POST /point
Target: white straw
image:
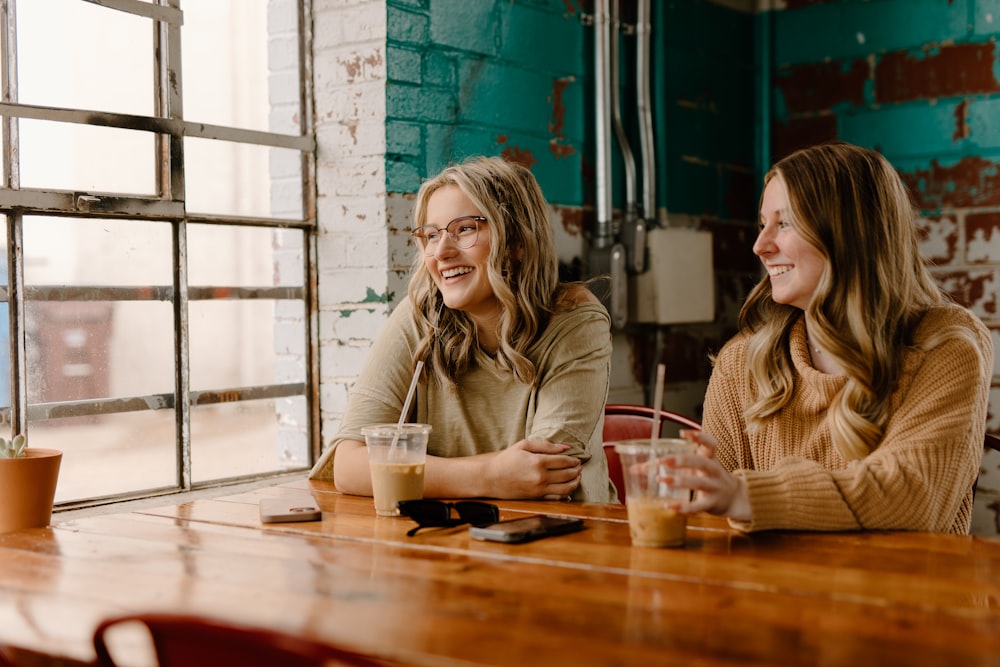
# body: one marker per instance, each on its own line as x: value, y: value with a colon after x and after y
x: 661, y: 372
x: 654, y: 470
x: 406, y: 407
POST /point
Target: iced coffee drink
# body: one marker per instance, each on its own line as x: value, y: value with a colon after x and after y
x: 392, y: 482
x: 654, y: 523
x: 396, y: 457
x: 653, y: 517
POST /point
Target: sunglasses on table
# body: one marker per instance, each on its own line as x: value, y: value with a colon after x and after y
x: 438, y: 514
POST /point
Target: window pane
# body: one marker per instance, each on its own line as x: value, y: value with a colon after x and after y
x: 244, y: 256
x: 227, y: 178
x: 240, y: 343
x: 230, y: 85
x: 67, y: 156
x: 100, y: 348
x: 245, y: 438
x: 110, y: 454
x: 75, y: 251
x: 79, y: 55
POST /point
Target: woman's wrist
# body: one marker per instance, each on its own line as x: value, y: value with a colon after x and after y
x: 739, y: 505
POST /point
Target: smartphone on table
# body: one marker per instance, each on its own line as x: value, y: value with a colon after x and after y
x: 515, y: 531
x: 281, y: 510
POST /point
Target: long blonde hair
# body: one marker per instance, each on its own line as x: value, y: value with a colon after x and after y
x: 523, y: 270
x: 851, y: 205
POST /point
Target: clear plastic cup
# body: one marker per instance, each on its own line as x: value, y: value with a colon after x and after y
x: 653, y: 516
x: 397, y: 470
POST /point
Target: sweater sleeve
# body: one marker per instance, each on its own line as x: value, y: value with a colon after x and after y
x: 919, y: 477
x: 573, y: 388
x: 723, y: 410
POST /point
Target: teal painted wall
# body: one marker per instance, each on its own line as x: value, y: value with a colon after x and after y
x: 703, y: 74
x: 507, y: 77
x: 915, y: 79
x: 488, y: 77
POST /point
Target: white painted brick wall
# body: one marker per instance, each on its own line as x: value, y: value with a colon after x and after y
x: 353, y: 239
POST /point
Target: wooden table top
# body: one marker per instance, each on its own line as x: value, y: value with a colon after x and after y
x: 442, y: 599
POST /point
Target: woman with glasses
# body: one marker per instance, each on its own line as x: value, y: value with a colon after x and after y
x: 855, y: 394
x: 516, y: 364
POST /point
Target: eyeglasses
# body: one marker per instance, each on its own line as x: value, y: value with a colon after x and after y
x: 462, y: 231
x: 437, y: 513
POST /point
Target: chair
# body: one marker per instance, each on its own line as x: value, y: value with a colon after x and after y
x: 623, y: 422
x: 182, y: 640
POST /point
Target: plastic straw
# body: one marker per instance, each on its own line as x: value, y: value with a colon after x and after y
x: 406, y: 408
x: 661, y: 372
x: 654, y: 470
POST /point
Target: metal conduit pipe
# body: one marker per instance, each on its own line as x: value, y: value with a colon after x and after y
x: 607, y: 257
x: 604, y: 232
x: 633, y: 227
x: 643, y: 29
x: 616, y: 116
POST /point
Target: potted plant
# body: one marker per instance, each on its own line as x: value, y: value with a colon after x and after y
x: 28, y: 477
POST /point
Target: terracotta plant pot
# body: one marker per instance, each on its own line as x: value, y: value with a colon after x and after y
x: 28, y: 488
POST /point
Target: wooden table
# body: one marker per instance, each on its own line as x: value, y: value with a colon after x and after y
x: 443, y: 599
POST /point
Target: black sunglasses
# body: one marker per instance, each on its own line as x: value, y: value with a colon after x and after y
x: 437, y: 513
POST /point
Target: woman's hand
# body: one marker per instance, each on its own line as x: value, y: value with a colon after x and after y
x: 532, y: 469
x: 716, y: 490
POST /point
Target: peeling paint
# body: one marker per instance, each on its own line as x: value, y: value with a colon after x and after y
x: 972, y: 181
x: 561, y: 151
x: 572, y: 219
x: 961, y: 121
x: 571, y: 7
x: 975, y: 290
x: 938, y: 238
x: 983, y: 243
x: 556, y: 125
x: 345, y: 313
x: 354, y: 67
x: 947, y: 71
x: 519, y: 156
x: 820, y: 86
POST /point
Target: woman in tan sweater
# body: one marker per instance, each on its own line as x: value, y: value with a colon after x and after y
x: 854, y: 395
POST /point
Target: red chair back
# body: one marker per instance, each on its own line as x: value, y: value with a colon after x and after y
x: 182, y: 640
x: 623, y: 421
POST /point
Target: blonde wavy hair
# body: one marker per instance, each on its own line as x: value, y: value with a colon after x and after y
x: 851, y: 205
x: 523, y: 270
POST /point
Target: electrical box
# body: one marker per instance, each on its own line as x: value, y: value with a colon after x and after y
x: 679, y: 282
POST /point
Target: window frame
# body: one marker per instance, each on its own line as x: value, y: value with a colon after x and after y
x: 169, y: 128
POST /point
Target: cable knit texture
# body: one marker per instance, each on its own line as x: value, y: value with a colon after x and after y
x: 918, y: 478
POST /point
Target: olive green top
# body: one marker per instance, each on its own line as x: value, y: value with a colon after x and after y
x: 489, y: 409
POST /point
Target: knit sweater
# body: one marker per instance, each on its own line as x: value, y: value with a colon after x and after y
x: 490, y: 409
x: 920, y: 475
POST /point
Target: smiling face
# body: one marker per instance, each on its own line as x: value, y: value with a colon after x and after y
x: 460, y: 274
x: 794, y: 265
